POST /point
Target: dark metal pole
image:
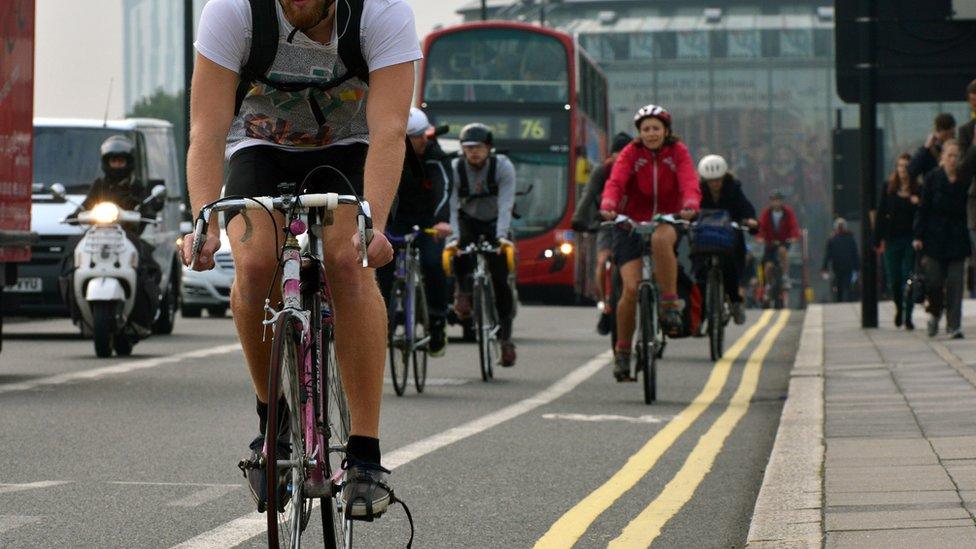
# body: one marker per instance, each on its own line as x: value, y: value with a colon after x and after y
x: 484, y: 10
x: 869, y: 264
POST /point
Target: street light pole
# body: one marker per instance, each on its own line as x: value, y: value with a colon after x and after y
x: 869, y: 111
x: 484, y: 10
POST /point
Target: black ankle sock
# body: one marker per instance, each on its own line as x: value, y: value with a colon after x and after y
x: 262, y: 409
x: 364, y: 448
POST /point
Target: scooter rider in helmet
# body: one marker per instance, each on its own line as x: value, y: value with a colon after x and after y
x: 482, y: 201
x: 119, y: 186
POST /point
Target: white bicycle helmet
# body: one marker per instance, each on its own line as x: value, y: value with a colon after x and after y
x: 652, y: 111
x: 712, y: 166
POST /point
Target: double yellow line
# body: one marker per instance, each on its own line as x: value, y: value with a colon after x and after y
x: 647, y: 526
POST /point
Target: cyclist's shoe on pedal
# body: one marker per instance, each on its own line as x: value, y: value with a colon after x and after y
x: 462, y: 305
x: 671, y: 320
x: 365, y: 491
x: 621, y: 367
x: 256, y: 474
x: 739, y: 313
x: 604, y: 325
x: 508, y: 353
x: 438, y: 339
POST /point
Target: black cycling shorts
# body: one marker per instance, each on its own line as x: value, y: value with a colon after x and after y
x: 258, y: 170
x: 627, y: 246
x: 770, y: 254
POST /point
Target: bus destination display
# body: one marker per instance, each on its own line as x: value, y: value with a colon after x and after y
x: 505, y: 128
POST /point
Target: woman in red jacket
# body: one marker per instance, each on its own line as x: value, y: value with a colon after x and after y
x: 653, y: 175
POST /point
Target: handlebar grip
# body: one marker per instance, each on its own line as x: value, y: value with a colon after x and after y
x: 329, y: 201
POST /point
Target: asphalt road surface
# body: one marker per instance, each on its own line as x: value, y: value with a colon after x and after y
x: 142, y: 451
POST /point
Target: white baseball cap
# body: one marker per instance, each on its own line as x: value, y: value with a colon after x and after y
x: 418, y: 122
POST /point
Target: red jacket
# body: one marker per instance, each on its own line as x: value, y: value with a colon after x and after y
x: 788, y: 228
x: 644, y: 182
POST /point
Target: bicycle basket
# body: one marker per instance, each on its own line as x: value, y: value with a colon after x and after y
x: 713, y: 233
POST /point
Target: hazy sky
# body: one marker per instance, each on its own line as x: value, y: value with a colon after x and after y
x: 78, y: 50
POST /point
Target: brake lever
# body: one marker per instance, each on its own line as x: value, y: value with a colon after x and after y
x: 365, y: 225
x: 199, y: 238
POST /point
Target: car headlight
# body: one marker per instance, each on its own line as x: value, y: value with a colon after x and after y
x: 105, y: 213
x: 566, y: 248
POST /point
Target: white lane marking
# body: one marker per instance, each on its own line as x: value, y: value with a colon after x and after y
x: 10, y: 522
x: 610, y: 417
x: 200, y: 497
x: 123, y: 368
x: 244, y: 528
x: 437, y: 381
x: 11, y: 488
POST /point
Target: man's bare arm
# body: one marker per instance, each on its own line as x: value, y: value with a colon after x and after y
x: 387, y: 106
x: 212, y: 99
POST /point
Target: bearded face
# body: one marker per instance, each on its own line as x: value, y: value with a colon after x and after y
x: 304, y: 14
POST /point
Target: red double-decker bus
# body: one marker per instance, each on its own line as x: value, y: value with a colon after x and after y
x: 546, y: 102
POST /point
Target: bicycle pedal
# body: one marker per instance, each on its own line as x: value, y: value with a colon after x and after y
x: 246, y: 464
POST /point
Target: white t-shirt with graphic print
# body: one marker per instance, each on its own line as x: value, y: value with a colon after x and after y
x: 287, y: 119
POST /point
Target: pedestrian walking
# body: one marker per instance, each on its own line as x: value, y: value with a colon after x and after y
x: 926, y: 158
x: 893, y: 236
x: 942, y: 237
x: 842, y: 258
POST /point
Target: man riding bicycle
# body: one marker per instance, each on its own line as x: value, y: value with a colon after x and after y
x: 778, y: 229
x: 281, y: 92
x: 481, y: 206
x: 653, y: 175
x: 422, y: 201
x: 722, y: 191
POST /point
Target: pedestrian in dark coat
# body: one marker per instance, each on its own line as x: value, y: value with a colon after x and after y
x: 941, y: 235
x: 842, y: 257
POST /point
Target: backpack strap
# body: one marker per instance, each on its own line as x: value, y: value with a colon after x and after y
x: 492, y: 170
x: 348, y: 29
x: 462, y: 171
x: 264, y: 47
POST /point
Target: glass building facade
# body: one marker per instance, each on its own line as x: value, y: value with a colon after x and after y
x: 750, y: 80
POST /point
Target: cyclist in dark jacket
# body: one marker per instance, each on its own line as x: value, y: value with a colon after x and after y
x: 422, y: 201
x: 720, y: 190
x: 587, y: 218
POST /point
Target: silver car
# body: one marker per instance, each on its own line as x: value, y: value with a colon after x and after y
x: 209, y: 290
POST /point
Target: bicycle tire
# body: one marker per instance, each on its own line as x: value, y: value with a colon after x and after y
x: 494, y: 345
x: 421, y: 331
x: 286, y: 525
x: 337, y: 530
x: 646, y: 351
x: 397, y: 341
x: 714, y: 306
x: 479, y: 332
x: 613, y: 293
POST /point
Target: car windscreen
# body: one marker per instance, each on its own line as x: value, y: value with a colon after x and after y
x: 69, y: 156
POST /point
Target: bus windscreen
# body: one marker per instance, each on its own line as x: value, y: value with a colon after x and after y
x: 497, y: 65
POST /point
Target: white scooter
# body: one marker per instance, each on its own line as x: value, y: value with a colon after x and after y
x: 104, y: 280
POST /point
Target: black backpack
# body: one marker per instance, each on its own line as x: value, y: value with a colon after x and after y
x: 264, y: 48
x: 464, y: 187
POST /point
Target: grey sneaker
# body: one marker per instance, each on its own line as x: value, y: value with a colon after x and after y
x: 256, y: 474
x: 621, y: 367
x: 365, y: 490
x: 933, y: 326
x: 739, y: 313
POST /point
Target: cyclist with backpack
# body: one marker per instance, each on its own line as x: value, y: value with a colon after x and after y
x: 722, y: 191
x: 482, y: 201
x: 653, y: 175
x: 281, y: 88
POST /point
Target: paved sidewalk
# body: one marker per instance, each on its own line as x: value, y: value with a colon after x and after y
x: 899, y: 434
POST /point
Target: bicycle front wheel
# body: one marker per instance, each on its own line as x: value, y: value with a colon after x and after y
x: 399, y: 341
x: 336, y: 528
x: 421, y: 333
x: 481, y: 334
x: 288, y: 510
x: 715, y: 305
x: 646, y: 348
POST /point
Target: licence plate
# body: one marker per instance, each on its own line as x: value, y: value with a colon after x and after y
x: 25, y: 285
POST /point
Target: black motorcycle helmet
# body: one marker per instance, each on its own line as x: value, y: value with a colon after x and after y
x: 118, y: 146
x: 474, y: 134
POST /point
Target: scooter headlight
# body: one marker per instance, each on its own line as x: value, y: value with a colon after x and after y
x: 105, y: 213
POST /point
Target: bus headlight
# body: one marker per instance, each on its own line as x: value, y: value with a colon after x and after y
x: 548, y: 253
x: 566, y: 248
x: 105, y: 213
